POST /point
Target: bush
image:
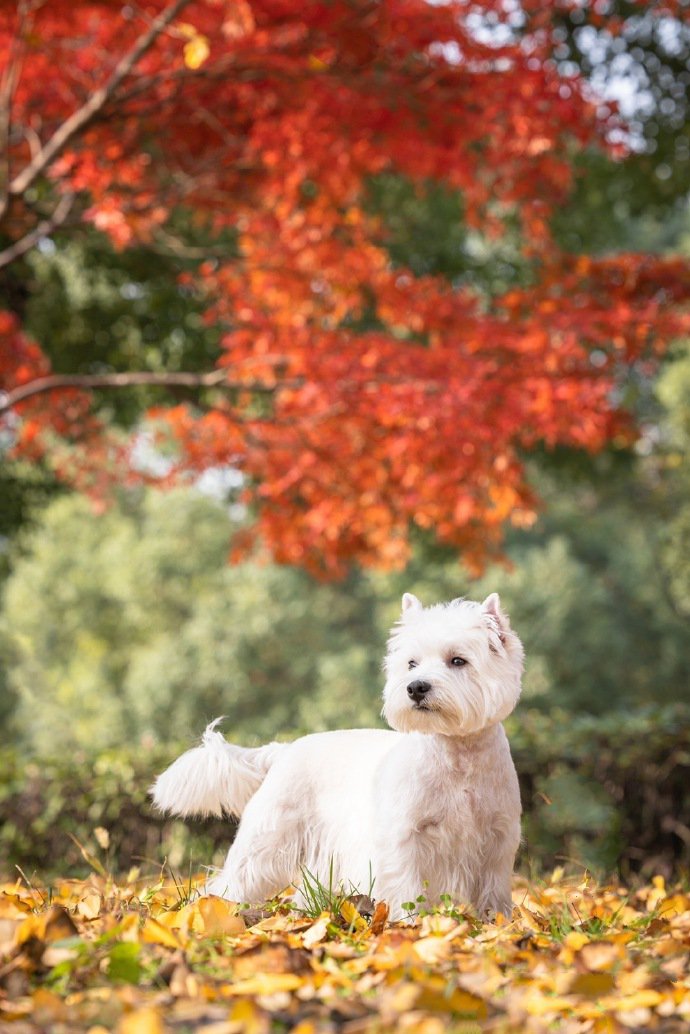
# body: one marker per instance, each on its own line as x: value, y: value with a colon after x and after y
x: 609, y: 792
x: 604, y: 793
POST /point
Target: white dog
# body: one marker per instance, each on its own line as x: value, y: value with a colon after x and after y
x: 432, y: 809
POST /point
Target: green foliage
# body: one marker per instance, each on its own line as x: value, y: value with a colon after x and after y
x: 637, y: 203
x: 132, y: 626
x: 95, y: 309
x: 587, y: 592
x: 425, y: 231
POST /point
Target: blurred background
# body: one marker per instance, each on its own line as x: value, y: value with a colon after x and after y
x: 123, y: 632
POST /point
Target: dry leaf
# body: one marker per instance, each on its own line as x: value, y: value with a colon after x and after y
x: 154, y: 932
x: 316, y: 933
x: 378, y: 920
x: 220, y: 917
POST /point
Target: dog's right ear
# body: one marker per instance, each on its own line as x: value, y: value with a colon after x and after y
x: 410, y: 602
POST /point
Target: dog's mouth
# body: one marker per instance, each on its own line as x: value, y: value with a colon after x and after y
x: 422, y: 707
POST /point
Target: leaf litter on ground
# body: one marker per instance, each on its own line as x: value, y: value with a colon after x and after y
x: 138, y: 957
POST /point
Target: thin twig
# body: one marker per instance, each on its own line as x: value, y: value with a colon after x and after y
x: 44, y: 229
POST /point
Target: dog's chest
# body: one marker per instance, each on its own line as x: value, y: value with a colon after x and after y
x: 447, y: 809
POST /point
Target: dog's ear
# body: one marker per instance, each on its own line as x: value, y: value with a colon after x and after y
x: 498, y: 618
x: 410, y: 602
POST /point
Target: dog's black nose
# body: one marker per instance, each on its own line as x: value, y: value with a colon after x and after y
x: 418, y: 689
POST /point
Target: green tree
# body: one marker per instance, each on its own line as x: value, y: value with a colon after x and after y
x: 132, y: 624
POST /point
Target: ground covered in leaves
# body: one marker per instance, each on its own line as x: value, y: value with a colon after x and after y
x: 141, y: 957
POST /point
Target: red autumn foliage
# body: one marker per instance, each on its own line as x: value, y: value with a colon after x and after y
x: 266, y: 119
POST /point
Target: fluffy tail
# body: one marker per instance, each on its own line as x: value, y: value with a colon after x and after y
x: 215, y: 778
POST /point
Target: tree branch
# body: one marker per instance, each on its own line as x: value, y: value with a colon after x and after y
x: 88, y: 111
x: 44, y: 229
x: 8, y: 86
x: 56, y: 382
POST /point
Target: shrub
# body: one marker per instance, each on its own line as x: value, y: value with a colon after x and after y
x: 604, y: 793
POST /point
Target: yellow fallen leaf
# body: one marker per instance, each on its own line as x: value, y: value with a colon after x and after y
x: 442, y: 925
x: 154, y: 932
x: 352, y: 916
x: 141, y: 1021
x: 591, y: 985
x: 186, y: 920
x: 246, y: 1017
x: 266, y: 984
x: 54, y: 925
x: 14, y: 907
x: 646, y: 998
x: 675, y: 905
x: 538, y: 1004
x: 576, y: 940
x: 220, y: 917
x: 457, y: 1001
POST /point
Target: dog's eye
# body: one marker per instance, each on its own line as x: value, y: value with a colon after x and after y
x: 411, y: 664
x: 458, y: 662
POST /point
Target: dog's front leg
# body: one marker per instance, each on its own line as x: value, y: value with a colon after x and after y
x: 399, y: 881
x: 494, y: 884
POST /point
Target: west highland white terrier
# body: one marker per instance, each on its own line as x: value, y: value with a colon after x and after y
x: 432, y: 808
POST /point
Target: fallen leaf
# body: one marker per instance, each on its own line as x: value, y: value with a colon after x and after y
x: 592, y: 985
x: 266, y: 984
x: 352, y: 917
x: 316, y: 933
x: 379, y: 918
x: 142, y: 1021
x: 220, y: 917
x: 154, y: 932
x: 54, y: 925
x: 89, y: 907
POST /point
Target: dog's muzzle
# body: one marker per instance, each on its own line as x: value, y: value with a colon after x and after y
x: 418, y: 689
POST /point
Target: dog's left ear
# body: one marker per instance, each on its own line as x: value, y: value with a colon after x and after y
x: 492, y: 608
x: 410, y: 602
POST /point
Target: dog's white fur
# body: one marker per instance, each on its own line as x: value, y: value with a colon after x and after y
x: 432, y: 808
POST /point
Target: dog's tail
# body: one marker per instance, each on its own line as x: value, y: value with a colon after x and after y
x: 215, y: 778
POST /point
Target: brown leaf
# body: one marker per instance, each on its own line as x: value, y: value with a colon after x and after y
x: 378, y: 920
x: 54, y: 925
x: 363, y: 903
x: 592, y: 985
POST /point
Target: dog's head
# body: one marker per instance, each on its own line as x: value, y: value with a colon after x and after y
x: 453, y: 668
